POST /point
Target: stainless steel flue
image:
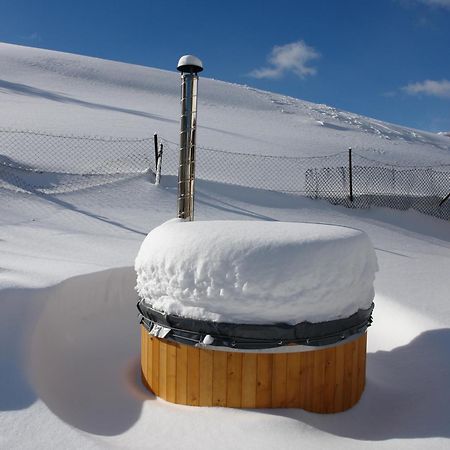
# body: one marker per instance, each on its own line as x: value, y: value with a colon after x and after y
x: 189, y: 66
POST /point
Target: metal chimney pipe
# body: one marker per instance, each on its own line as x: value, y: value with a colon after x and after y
x: 189, y: 66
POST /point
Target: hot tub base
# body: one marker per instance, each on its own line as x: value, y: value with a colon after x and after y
x: 326, y: 380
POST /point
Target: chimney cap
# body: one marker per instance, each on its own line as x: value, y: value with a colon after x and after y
x: 190, y: 63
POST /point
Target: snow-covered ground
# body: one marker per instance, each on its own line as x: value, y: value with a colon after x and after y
x: 68, y: 328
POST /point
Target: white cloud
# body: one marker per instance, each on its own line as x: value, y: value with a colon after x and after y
x: 429, y: 87
x: 293, y: 57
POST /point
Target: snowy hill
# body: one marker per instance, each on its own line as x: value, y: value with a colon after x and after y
x: 69, y: 375
x: 82, y: 95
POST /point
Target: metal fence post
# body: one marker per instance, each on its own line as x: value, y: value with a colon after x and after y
x: 444, y: 199
x: 158, y: 165
x: 350, y: 173
x: 155, y: 142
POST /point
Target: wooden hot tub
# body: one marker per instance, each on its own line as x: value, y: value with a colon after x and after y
x: 255, y: 314
x: 327, y: 380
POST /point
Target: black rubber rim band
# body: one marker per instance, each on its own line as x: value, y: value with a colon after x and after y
x: 253, y: 336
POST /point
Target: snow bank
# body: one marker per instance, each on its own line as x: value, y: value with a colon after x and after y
x: 256, y: 272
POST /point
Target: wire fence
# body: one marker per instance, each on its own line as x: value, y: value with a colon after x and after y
x: 376, y: 184
x: 46, y: 164
x: 274, y: 173
x: 359, y: 182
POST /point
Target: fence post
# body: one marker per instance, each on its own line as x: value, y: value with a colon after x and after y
x: 350, y: 173
x: 444, y: 199
x: 158, y: 165
x: 155, y: 142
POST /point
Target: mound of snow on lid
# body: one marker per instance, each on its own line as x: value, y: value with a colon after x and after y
x: 256, y: 272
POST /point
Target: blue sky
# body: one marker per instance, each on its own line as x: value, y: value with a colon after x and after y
x: 388, y: 59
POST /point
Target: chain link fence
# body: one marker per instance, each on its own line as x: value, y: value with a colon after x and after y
x: 373, y: 183
x: 45, y: 164
x: 273, y: 173
x: 48, y: 163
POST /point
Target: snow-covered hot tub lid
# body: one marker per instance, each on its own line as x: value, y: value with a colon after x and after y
x: 286, y: 282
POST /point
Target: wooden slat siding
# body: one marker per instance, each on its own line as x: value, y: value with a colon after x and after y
x: 155, y: 364
x: 293, y: 380
x: 348, y: 373
x: 279, y: 378
x: 193, y: 376
x: 148, y: 365
x: 144, y: 351
x: 330, y: 380
x: 171, y: 384
x: 355, y: 381
x: 339, y: 380
x: 318, y: 382
x: 206, y: 377
x: 162, y: 369
x: 327, y: 380
x: 182, y: 356
x: 306, y: 380
x: 264, y: 363
x: 249, y: 380
x: 362, y: 363
x: 361, y: 374
x: 234, y: 379
x: 219, y: 378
